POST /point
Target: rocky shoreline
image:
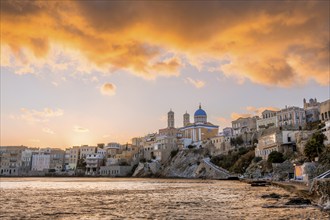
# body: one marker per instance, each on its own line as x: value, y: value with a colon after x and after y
x: 317, y: 193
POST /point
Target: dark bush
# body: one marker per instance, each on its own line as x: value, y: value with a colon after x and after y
x: 314, y: 146
x: 275, y: 157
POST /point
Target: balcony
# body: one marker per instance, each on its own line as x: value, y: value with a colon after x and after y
x: 91, y: 165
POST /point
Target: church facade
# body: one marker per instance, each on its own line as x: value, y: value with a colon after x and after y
x: 200, y: 130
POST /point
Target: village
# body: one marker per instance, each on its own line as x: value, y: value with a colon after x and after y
x: 288, y: 139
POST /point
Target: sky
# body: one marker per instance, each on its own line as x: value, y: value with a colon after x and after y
x: 88, y: 72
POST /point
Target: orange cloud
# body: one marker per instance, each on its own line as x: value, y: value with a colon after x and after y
x: 32, y: 116
x: 252, y: 111
x: 108, y: 89
x: 258, y: 111
x: 236, y: 115
x: 224, y: 122
x: 267, y: 43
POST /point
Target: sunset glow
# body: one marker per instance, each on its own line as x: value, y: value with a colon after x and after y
x: 88, y: 72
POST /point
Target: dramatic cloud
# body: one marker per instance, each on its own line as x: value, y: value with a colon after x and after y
x: 31, y: 115
x: 80, y: 129
x: 236, y: 115
x: 195, y: 82
x: 259, y: 110
x: 267, y: 43
x: 48, y: 131
x: 252, y: 111
x: 108, y: 89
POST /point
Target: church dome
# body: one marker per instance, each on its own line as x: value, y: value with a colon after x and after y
x: 200, y: 112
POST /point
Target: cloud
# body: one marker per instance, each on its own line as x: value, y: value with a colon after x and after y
x: 224, y: 122
x: 108, y: 89
x: 195, y: 82
x: 259, y: 110
x: 236, y: 115
x: 252, y: 111
x: 266, y: 43
x: 48, y: 131
x: 32, y: 116
x: 80, y: 129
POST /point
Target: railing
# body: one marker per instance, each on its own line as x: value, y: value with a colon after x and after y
x: 220, y: 169
x: 323, y: 175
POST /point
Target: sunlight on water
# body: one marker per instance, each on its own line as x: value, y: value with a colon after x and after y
x: 106, y: 198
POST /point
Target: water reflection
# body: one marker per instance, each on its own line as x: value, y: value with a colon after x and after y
x: 105, y: 198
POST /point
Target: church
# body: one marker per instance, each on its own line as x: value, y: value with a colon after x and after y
x: 200, y: 130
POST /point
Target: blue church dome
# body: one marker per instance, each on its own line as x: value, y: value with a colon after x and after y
x: 200, y: 112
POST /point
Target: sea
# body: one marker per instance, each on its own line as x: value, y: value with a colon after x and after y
x: 140, y: 198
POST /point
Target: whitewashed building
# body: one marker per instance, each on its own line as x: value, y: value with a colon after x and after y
x: 291, y: 118
x: 268, y: 120
x: 325, y: 110
x: 40, y: 162
x: 93, y: 163
x: 275, y: 140
x: 244, y: 125
x: 72, y: 157
x: 87, y: 150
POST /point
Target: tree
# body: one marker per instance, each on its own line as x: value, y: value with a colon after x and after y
x: 236, y: 141
x: 315, y: 145
x: 275, y: 157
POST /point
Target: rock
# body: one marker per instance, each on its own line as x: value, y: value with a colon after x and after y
x: 189, y: 163
x: 271, y: 196
x: 298, y: 201
x: 321, y: 189
x: 281, y: 171
x: 147, y: 169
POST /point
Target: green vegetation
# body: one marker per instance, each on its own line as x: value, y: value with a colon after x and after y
x: 243, y: 162
x: 236, y: 161
x: 314, y: 125
x: 275, y: 157
x: 324, y: 161
x: 236, y: 141
x: 314, y: 146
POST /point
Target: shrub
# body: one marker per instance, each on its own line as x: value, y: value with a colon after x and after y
x: 314, y: 146
x: 275, y: 157
x: 243, y: 162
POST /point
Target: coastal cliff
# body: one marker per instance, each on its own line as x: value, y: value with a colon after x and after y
x: 191, y: 163
x: 321, y: 188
